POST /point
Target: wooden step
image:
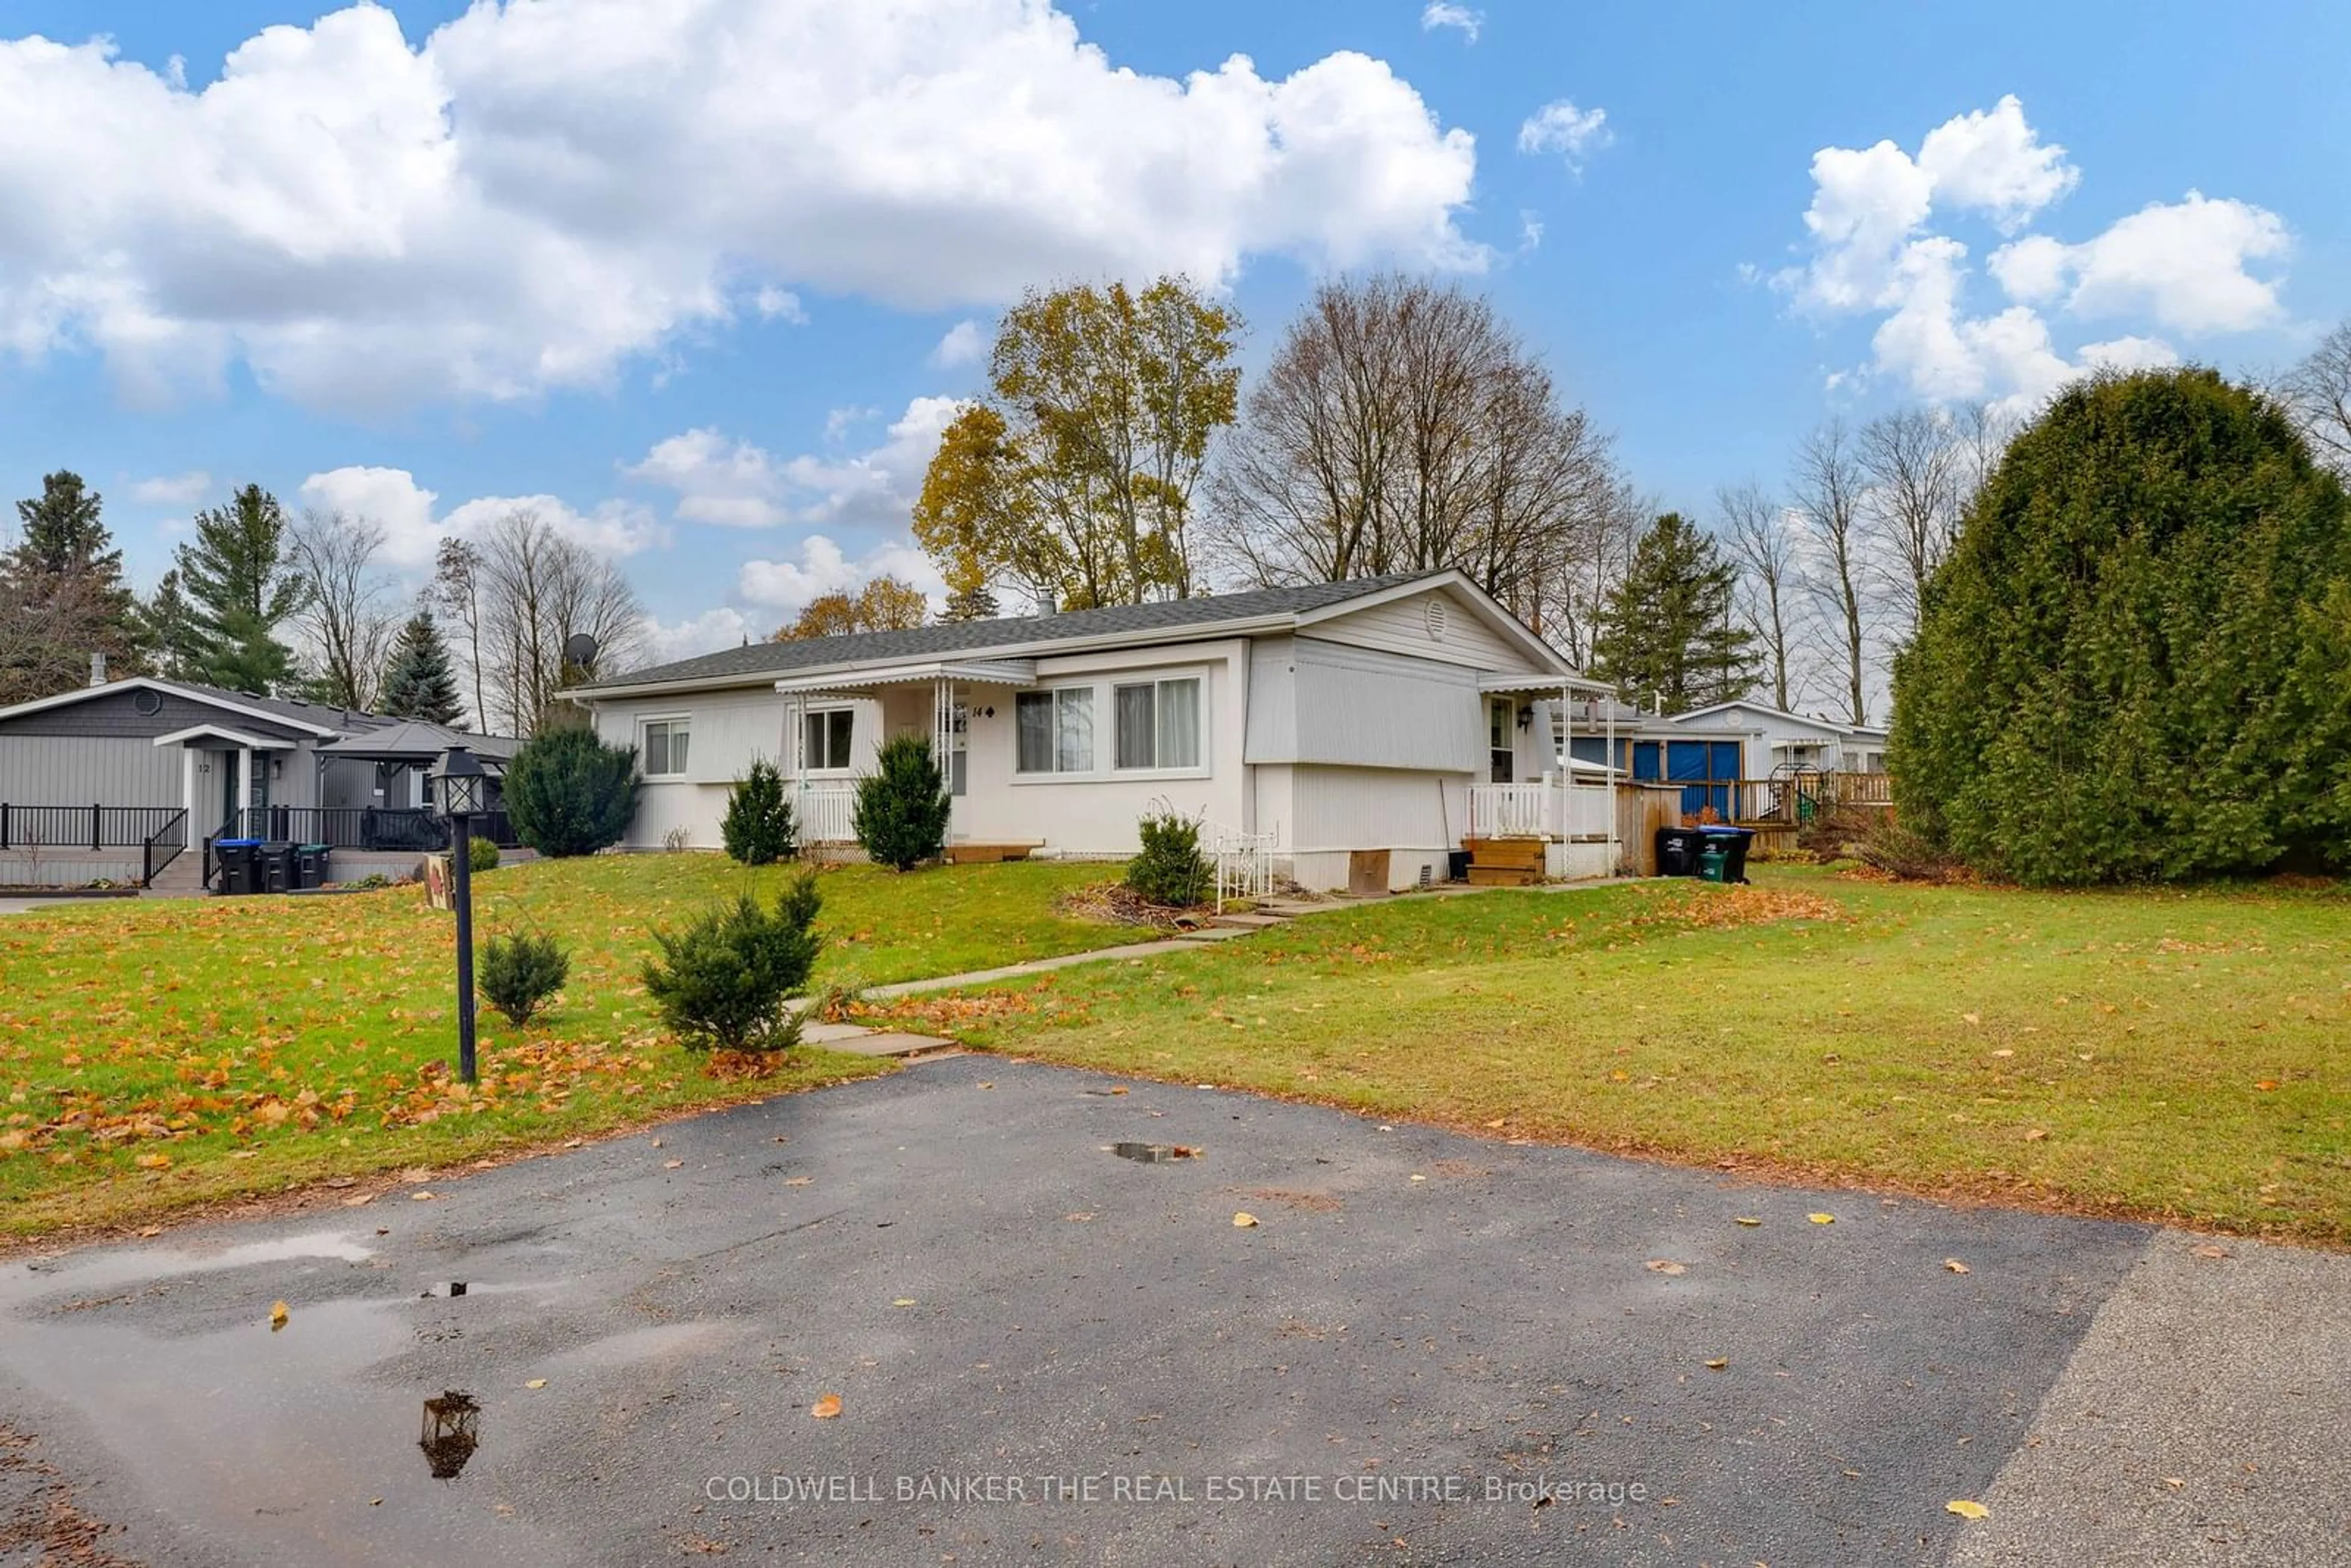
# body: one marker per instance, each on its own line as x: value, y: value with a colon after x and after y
x: 1504, y: 875
x: 1521, y: 854
x: 990, y: 855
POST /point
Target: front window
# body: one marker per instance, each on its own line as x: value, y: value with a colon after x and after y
x: 1056, y: 730
x: 825, y: 739
x: 1158, y: 724
x: 664, y: 747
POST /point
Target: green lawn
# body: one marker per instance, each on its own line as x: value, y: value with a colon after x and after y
x: 2181, y: 1056
x: 156, y: 1054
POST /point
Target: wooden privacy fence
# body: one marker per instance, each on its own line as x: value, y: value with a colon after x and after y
x: 1641, y: 810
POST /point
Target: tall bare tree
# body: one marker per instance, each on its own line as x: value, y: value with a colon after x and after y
x: 349, y: 615
x: 2318, y: 391
x: 1754, y: 526
x: 536, y: 590
x: 457, y: 588
x: 1913, y: 466
x: 1403, y: 426
x: 1827, y: 487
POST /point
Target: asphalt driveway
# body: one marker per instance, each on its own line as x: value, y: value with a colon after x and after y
x: 1429, y: 1349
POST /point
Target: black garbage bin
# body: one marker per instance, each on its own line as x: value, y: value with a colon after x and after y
x: 1734, y: 843
x: 276, y: 867
x: 237, y: 865
x: 310, y: 866
x: 1677, y: 852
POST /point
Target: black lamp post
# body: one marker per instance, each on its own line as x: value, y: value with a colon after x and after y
x: 460, y: 793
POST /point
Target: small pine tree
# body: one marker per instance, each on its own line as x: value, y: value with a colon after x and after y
x: 974, y: 603
x: 520, y: 971
x: 420, y: 680
x: 758, y: 828
x: 1171, y: 870
x: 567, y: 793
x: 901, y: 816
x: 1667, y: 626
x: 724, y: 980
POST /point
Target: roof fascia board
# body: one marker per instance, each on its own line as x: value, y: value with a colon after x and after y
x: 149, y: 683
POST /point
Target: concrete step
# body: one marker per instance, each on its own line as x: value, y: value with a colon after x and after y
x: 1251, y: 922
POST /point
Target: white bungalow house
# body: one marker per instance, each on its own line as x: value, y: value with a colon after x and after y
x: 1356, y: 732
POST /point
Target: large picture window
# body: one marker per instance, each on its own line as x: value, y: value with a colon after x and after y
x: 1057, y: 730
x: 1158, y: 724
x: 825, y: 741
x: 663, y: 750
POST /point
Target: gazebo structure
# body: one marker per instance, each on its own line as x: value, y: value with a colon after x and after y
x: 403, y: 753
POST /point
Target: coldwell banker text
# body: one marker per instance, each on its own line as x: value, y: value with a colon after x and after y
x: 1113, y: 1487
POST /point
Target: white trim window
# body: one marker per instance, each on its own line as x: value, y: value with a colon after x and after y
x: 1056, y: 730
x: 1158, y: 724
x: 827, y: 736
x: 662, y: 744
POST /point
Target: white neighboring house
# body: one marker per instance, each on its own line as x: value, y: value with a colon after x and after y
x: 1775, y: 737
x: 1356, y: 730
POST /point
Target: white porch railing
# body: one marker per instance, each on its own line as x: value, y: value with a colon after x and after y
x: 1541, y: 811
x: 822, y: 810
x: 1244, y: 862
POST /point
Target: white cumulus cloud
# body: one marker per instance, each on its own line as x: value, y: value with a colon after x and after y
x: 533, y: 194
x: 724, y: 627
x: 823, y: 566
x: 1460, y: 18
x: 173, y: 489
x: 1878, y: 246
x: 414, y: 525
x: 961, y: 345
x: 736, y: 483
x: 1560, y: 127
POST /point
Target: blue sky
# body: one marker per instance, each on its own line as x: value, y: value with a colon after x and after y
x: 686, y: 282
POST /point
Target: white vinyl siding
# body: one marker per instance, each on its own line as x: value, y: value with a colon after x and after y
x: 1403, y: 626
x: 1356, y: 707
x: 664, y: 747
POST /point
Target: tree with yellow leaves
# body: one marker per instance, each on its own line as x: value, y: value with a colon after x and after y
x: 885, y: 604
x: 1074, y: 479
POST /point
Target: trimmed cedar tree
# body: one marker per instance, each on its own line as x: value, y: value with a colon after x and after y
x: 2130, y: 668
x: 901, y: 815
x: 567, y: 793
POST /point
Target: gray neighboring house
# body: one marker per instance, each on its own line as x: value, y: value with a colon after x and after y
x: 119, y: 780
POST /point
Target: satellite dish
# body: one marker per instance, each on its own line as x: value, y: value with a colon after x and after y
x: 580, y: 651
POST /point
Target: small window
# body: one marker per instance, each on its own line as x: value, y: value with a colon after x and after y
x: 1056, y: 730
x: 1158, y: 724
x: 664, y: 747
x: 827, y: 738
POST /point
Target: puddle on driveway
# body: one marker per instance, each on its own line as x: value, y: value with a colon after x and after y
x: 301, y: 1445
x: 140, y: 1265
x: 1154, y: 1153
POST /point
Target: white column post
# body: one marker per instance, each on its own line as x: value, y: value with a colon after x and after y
x: 243, y: 786
x: 188, y: 790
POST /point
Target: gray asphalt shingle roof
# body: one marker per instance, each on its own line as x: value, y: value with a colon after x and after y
x: 347, y: 720
x: 983, y: 637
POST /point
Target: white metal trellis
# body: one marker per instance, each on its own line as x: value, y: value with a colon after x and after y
x: 1244, y: 863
